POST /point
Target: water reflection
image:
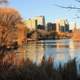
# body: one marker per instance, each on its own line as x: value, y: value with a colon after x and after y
x: 74, y: 49
x: 34, y: 51
x: 60, y: 50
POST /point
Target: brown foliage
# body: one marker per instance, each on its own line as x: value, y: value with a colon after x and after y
x: 9, y: 18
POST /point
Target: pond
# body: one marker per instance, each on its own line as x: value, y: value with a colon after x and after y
x: 60, y: 50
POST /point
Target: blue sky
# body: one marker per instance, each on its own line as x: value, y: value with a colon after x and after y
x: 47, y: 8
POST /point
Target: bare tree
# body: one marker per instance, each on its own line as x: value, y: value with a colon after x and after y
x: 4, y: 2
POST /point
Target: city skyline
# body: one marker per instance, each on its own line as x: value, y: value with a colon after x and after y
x: 47, y: 8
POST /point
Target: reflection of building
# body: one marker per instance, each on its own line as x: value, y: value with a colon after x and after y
x: 51, y: 27
x: 72, y: 49
x: 62, y: 25
x: 34, y: 52
x: 60, y: 57
x: 63, y: 50
x: 34, y: 22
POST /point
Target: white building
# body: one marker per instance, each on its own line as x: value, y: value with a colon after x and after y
x: 40, y: 20
x: 33, y: 22
x: 62, y: 25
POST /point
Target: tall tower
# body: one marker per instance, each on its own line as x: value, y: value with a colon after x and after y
x: 40, y: 20
x: 62, y: 25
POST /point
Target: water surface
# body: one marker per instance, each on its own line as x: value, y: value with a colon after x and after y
x: 60, y: 50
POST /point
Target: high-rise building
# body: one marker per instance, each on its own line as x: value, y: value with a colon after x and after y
x: 28, y: 23
x: 40, y: 20
x: 62, y: 25
x: 33, y: 23
x: 51, y: 26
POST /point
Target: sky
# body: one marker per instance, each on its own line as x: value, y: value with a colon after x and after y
x: 47, y: 8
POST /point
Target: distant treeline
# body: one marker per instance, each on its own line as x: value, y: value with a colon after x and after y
x: 42, y: 35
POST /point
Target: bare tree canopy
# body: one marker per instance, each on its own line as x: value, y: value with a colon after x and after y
x: 9, y: 17
x: 78, y: 1
x: 4, y: 1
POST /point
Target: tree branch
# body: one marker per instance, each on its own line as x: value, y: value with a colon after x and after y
x: 4, y: 1
x: 69, y: 7
x: 78, y: 1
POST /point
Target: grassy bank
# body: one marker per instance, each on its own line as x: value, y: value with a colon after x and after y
x: 44, y: 71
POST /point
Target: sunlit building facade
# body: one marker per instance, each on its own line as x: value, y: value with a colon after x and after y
x: 62, y: 25
x: 40, y: 20
x: 31, y: 24
x: 34, y: 22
